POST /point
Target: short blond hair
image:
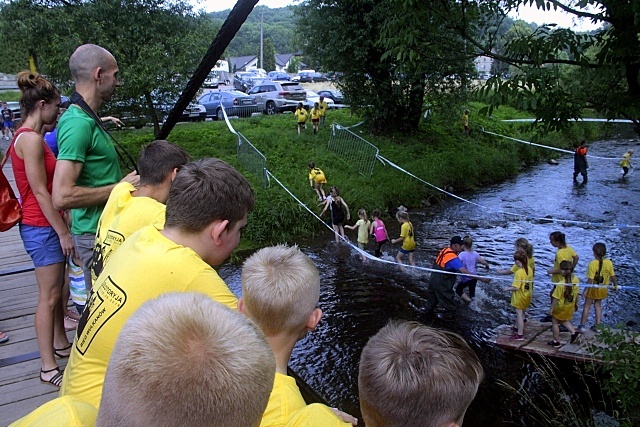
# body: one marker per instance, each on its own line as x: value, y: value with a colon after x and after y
x: 414, y: 375
x: 184, y: 359
x: 280, y: 288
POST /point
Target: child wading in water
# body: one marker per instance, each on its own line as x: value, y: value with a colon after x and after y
x: 625, y: 163
x: 469, y: 258
x: 523, y: 244
x: 406, y: 237
x: 317, y: 180
x: 301, y: 116
x: 335, y: 202
x: 521, y: 292
x: 564, y: 303
x: 600, y: 272
x: 379, y: 231
x: 362, y: 225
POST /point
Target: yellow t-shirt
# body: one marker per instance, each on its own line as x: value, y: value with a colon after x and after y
x: 406, y: 231
x: 566, y: 307
x: 315, y: 113
x: 531, y: 264
x: 625, y: 160
x: 122, y: 216
x: 524, y: 282
x: 65, y: 411
x: 285, y: 399
x: 363, y: 230
x: 301, y: 115
x: 316, y: 415
x: 605, y: 273
x: 323, y: 107
x: 317, y: 175
x: 145, y: 266
x: 562, y: 254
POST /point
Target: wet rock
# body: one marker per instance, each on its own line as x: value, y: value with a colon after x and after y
x: 624, y: 202
x: 473, y: 224
x: 553, y: 162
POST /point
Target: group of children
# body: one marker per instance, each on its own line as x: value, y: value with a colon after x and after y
x: 317, y: 113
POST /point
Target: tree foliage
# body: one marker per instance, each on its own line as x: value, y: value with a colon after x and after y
x: 269, y: 55
x: 386, y: 72
x: 157, y: 43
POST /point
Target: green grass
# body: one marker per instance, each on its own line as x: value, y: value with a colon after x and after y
x: 438, y: 153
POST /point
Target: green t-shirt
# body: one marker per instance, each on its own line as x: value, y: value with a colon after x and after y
x: 80, y: 139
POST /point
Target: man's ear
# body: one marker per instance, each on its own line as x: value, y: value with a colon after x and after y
x: 314, y: 319
x: 98, y: 73
x: 218, y: 230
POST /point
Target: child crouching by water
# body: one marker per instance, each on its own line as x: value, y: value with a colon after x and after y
x: 363, y: 230
x: 564, y: 302
x: 521, y: 292
x: 600, y: 272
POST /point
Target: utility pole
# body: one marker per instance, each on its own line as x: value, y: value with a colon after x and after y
x: 261, y: 41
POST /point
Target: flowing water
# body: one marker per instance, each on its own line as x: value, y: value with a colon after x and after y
x: 358, y: 300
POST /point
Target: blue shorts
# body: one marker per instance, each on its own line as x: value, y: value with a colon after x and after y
x: 8, y: 125
x: 42, y: 244
x: 404, y: 251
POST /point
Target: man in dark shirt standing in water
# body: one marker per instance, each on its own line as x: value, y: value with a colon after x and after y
x: 580, y: 164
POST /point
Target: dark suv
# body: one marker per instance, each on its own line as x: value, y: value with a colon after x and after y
x: 241, y: 81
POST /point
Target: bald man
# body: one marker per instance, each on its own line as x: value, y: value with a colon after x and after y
x: 87, y: 167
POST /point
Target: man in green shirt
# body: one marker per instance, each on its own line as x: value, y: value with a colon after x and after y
x: 87, y: 167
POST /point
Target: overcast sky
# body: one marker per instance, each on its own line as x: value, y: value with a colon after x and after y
x: 528, y: 14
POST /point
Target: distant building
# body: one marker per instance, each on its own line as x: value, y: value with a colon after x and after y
x: 483, y: 66
x: 243, y: 63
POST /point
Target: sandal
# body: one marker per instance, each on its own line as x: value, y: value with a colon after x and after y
x: 62, y: 356
x: 55, y: 380
x: 3, y: 337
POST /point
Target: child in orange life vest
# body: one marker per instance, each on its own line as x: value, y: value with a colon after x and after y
x: 406, y: 237
x: 600, y: 272
x: 301, y: 116
x: 363, y: 230
x: 521, y: 291
x: 564, y: 304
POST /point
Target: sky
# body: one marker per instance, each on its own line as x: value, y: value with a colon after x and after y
x: 528, y: 14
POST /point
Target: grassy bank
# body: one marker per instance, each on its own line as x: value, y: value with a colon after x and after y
x: 438, y: 153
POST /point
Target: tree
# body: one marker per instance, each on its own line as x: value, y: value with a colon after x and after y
x: 269, y: 55
x: 157, y: 43
x: 381, y: 79
x: 294, y: 65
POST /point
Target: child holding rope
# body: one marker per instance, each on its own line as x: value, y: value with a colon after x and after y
x: 379, y: 231
x: 363, y: 230
x: 564, y: 303
x: 406, y: 237
x: 600, y: 272
x: 335, y: 202
x: 469, y: 259
x: 521, y: 292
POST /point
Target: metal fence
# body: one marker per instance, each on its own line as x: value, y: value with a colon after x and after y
x: 353, y: 149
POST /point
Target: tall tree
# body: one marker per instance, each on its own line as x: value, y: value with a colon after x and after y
x: 269, y: 55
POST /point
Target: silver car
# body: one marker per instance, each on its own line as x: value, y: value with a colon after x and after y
x: 276, y: 97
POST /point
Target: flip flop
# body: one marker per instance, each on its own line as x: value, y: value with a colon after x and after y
x: 61, y: 356
x: 3, y: 337
x: 55, y: 380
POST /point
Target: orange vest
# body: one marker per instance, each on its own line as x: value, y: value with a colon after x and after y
x: 581, y: 151
x: 445, y: 256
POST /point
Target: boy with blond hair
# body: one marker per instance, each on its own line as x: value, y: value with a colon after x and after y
x: 280, y: 293
x: 413, y: 375
x: 184, y: 359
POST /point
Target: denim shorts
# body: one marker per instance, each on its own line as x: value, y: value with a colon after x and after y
x: 42, y: 244
x: 404, y: 251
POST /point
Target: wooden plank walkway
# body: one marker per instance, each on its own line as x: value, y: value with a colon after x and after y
x: 536, y: 336
x: 20, y: 388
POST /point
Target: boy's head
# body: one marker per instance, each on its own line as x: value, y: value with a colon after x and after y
x: 207, y: 190
x: 280, y: 291
x: 184, y: 359
x: 414, y: 375
x: 158, y: 161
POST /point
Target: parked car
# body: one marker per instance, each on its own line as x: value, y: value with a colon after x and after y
x: 240, y: 80
x: 279, y: 76
x: 211, y: 81
x: 311, y: 77
x: 275, y: 97
x: 17, y: 115
x: 235, y: 104
x: 134, y: 112
x: 335, y: 95
x: 313, y: 97
x: 258, y: 72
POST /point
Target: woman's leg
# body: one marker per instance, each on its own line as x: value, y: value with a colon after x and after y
x: 49, y: 319
x: 336, y: 232
x: 598, y: 305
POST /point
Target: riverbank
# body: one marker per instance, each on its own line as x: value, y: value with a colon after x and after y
x: 438, y: 153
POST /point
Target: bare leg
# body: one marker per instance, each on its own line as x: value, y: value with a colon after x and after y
x: 567, y: 324
x: 585, y: 311
x: 555, y: 328
x: 49, y: 319
x: 322, y: 190
x: 520, y: 321
x: 411, y: 259
x: 336, y: 232
x: 598, y: 305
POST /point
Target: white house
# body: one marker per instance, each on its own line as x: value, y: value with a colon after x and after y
x: 483, y: 66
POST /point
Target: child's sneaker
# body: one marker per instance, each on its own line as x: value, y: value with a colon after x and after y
x: 581, y: 329
x: 517, y: 337
x: 574, y: 337
x: 554, y: 343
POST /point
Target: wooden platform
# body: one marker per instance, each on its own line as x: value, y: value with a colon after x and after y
x: 538, y: 334
x: 20, y: 388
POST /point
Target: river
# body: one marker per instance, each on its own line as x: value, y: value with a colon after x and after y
x: 358, y: 300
